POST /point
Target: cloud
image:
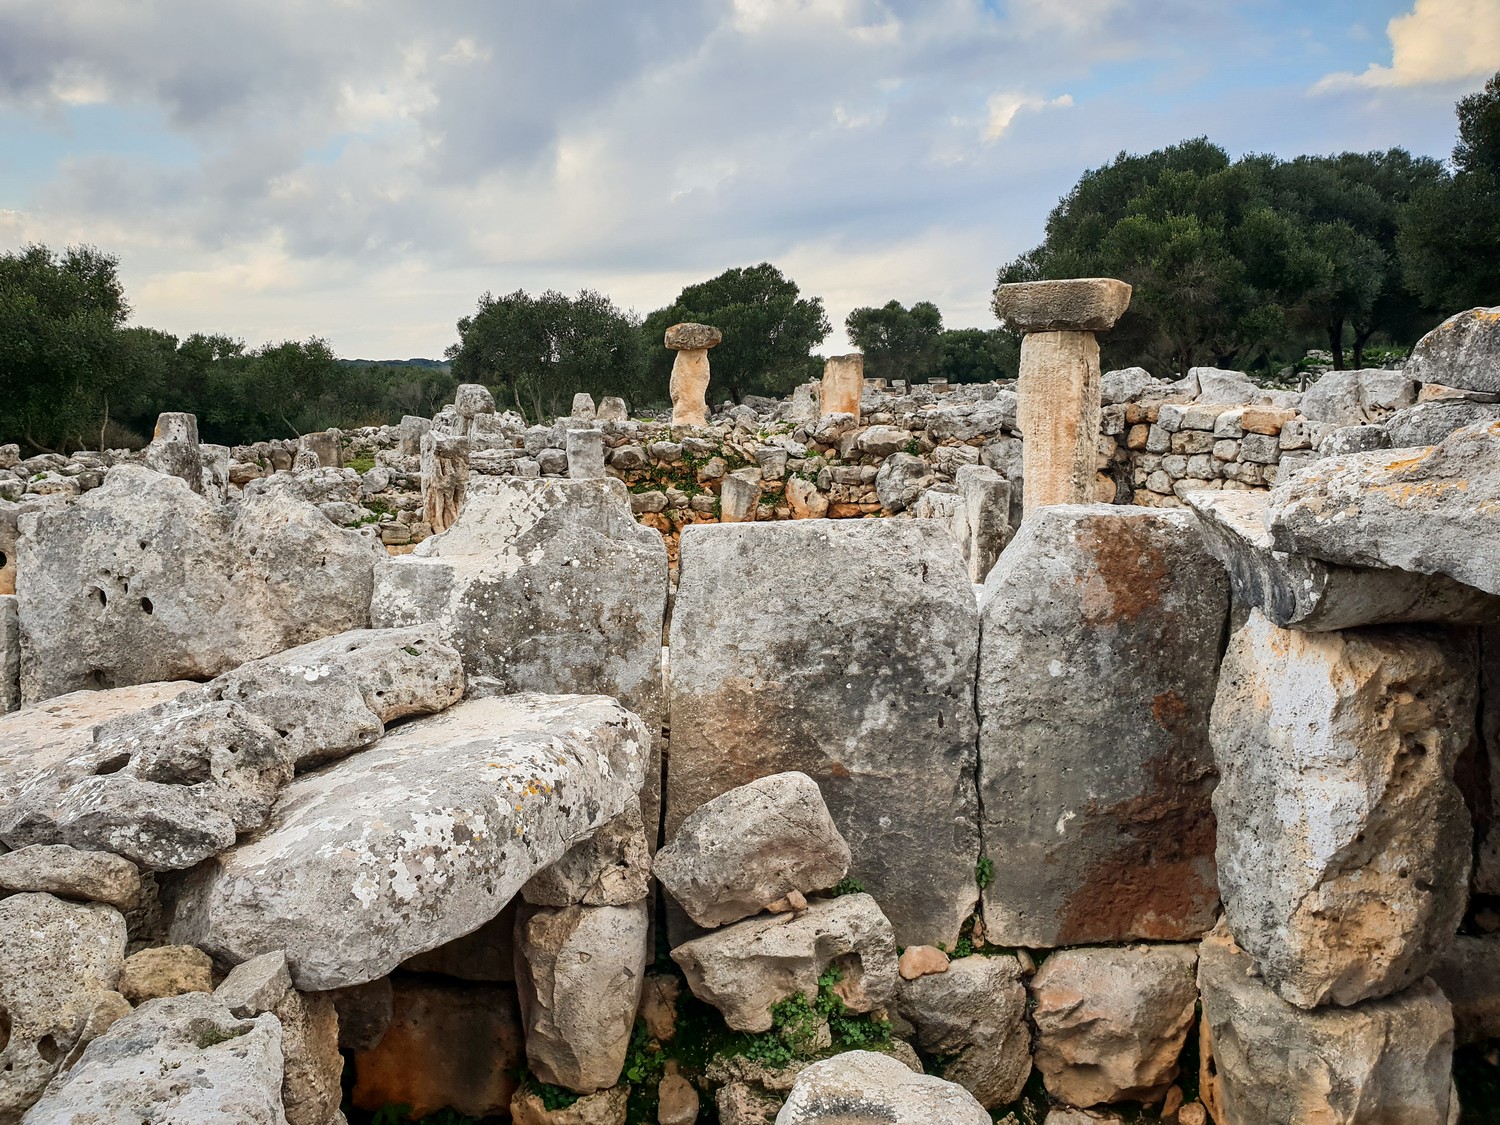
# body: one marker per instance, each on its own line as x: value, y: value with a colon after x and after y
x: 1004, y: 107
x: 1438, y: 41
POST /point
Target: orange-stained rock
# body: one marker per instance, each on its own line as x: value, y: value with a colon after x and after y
x: 451, y: 1045
x: 921, y: 961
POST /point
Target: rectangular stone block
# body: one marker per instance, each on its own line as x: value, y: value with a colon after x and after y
x: 1101, y: 634
x: 846, y: 651
x: 10, y: 654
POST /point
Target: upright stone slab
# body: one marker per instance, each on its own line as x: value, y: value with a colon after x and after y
x: 1102, y: 628
x: 586, y: 454
x: 689, y: 385
x: 844, y: 650
x: 10, y: 654
x: 142, y: 580
x: 1380, y: 1062
x: 1344, y: 843
x: 1463, y: 351
x: 842, y: 385
x: 417, y: 841
x: 445, y: 478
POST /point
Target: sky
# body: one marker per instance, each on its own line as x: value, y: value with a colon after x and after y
x: 361, y: 170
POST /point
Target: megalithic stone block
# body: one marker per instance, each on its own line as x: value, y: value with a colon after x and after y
x: 843, y: 383
x: 1101, y: 634
x: 689, y: 386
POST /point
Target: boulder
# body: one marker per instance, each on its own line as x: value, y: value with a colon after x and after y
x: 1463, y: 351
x: 901, y: 479
x: 879, y: 714
x: 449, y: 1044
x: 257, y: 985
x: 1353, y: 398
x: 1298, y: 592
x: 1125, y: 385
x: 1428, y: 423
x: 1111, y: 1023
x: 167, y: 970
x: 981, y: 519
x: 57, y: 991
x: 1343, y: 842
x: 579, y: 971
x: 1226, y: 388
x: 860, y: 1087
x: 691, y: 337
x: 1085, y: 304
x: 1102, y: 626
x: 744, y: 969
x: 311, y: 1086
x: 172, y: 785
x: 1426, y: 510
x: 60, y: 870
x: 882, y: 441
x: 185, y: 1057
x: 611, y: 868
x: 973, y: 1018
x: 144, y: 580
x: 735, y: 855
x: 418, y: 840
x: 1379, y: 1061
x: 606, y: 1107
x: 1469, y: 975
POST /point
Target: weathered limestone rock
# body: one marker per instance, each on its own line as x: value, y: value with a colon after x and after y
x: 1111, y: 1023
x: 689, y: 385
x: 1427, y: 510
x: 860, y: 1087
x: 69, y: 873
x: 181, y: 780
x: 184, y: 1057
x: 1429, y: 423
x: 448, y: 1045
x: 981, y: 518
x: 739, y: 497
x: 167, y: 970
x: 1352, y: 398
x: 1463, y: 351
x: 1380, y: 1061
x: 174, y: 449
x: 418, y: 840
x: 1102, y: 628
x: 10, y: 654
x: 611, y: 868
x: 883, y: 721
x: 1085, y: 304
x: 411, y: 429
x: 735, y: 855
x: 901, y: 479
x: 445, y: 478
x: 678, y: 1102
x: 1298, y: 592
x: 578, y: 974
x: 48, y: 734
x: 745, y: 968
x: 10, y: 532
x: 920, y: 961
x: 545, y: 585
x: 57, y: 989
x: 257, y: 985
x: 471, y: 400
x: 142, y: 580
x: 606, y: 1107
x: 1343, y: 842
x: 585, y: 454
x: 1059, y: 416
x: 311, y: 1083
x: 365, y: 1012
x: 806, y: 502
x: 973, y: 1016
x: 842, y: 385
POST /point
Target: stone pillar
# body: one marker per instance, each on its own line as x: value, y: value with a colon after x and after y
x: 445, y: 478
x: 585, y: 454
x: 843, y: 380
x: 690, y: 371
x: 174, y: 449
x: 10, y: 654
x: 583, y: 406
x: 328, y: 447
x: 1060, y: 380
x: 175, y: 426
x: 411, y: 430
x: 612, y: 409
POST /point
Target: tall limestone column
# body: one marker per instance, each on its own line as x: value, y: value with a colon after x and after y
x: 843, y: 384
x: 1059, y: 383
x: 690, y: 371
x: 445, y: 478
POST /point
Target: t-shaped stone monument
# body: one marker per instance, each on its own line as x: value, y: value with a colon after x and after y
x: 1059, y: 386
x: 690, y: 371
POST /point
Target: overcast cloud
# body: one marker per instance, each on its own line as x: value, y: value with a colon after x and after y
x: 363, y: 169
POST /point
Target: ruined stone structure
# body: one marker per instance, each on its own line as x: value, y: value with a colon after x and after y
x: 591, y: 805
x: 690, y: 371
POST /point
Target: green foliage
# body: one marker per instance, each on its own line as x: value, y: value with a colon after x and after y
x: 769, y: 331
x: 848, y: 885
x: 984, y: 872
x: 552, y: 1097
x: 898, y: 342
x: 361, y: 465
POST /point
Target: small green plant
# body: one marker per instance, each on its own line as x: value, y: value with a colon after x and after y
x: 361, y: 464
x: 552, y: 1097
x: 213, y: 1036
x: 984, y: 872
x: 848, y: 885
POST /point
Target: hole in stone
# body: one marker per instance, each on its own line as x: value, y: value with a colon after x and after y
x: 143, y: 543
x: 4, y: 1029
x: 47, y: 1047
x: 146, y: 606
x: 113, y: 764
x: 101, y: 597
x: 2, y: 558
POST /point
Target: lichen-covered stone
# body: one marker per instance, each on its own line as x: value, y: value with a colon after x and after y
x: 973, y: 1017
x: 1427, y: 510
x: 60, y: 870
x: 880, y: 716
x: 736, y: 854
x: 862, y: 1086
x: 1343, y: 841
x: 143, y: 580
x: 1085, y: 304
x: 10, y: 654
x: 1102, y: 628
x: 1463, y: 351
x: 611, y: 868
x: 418, y: 840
